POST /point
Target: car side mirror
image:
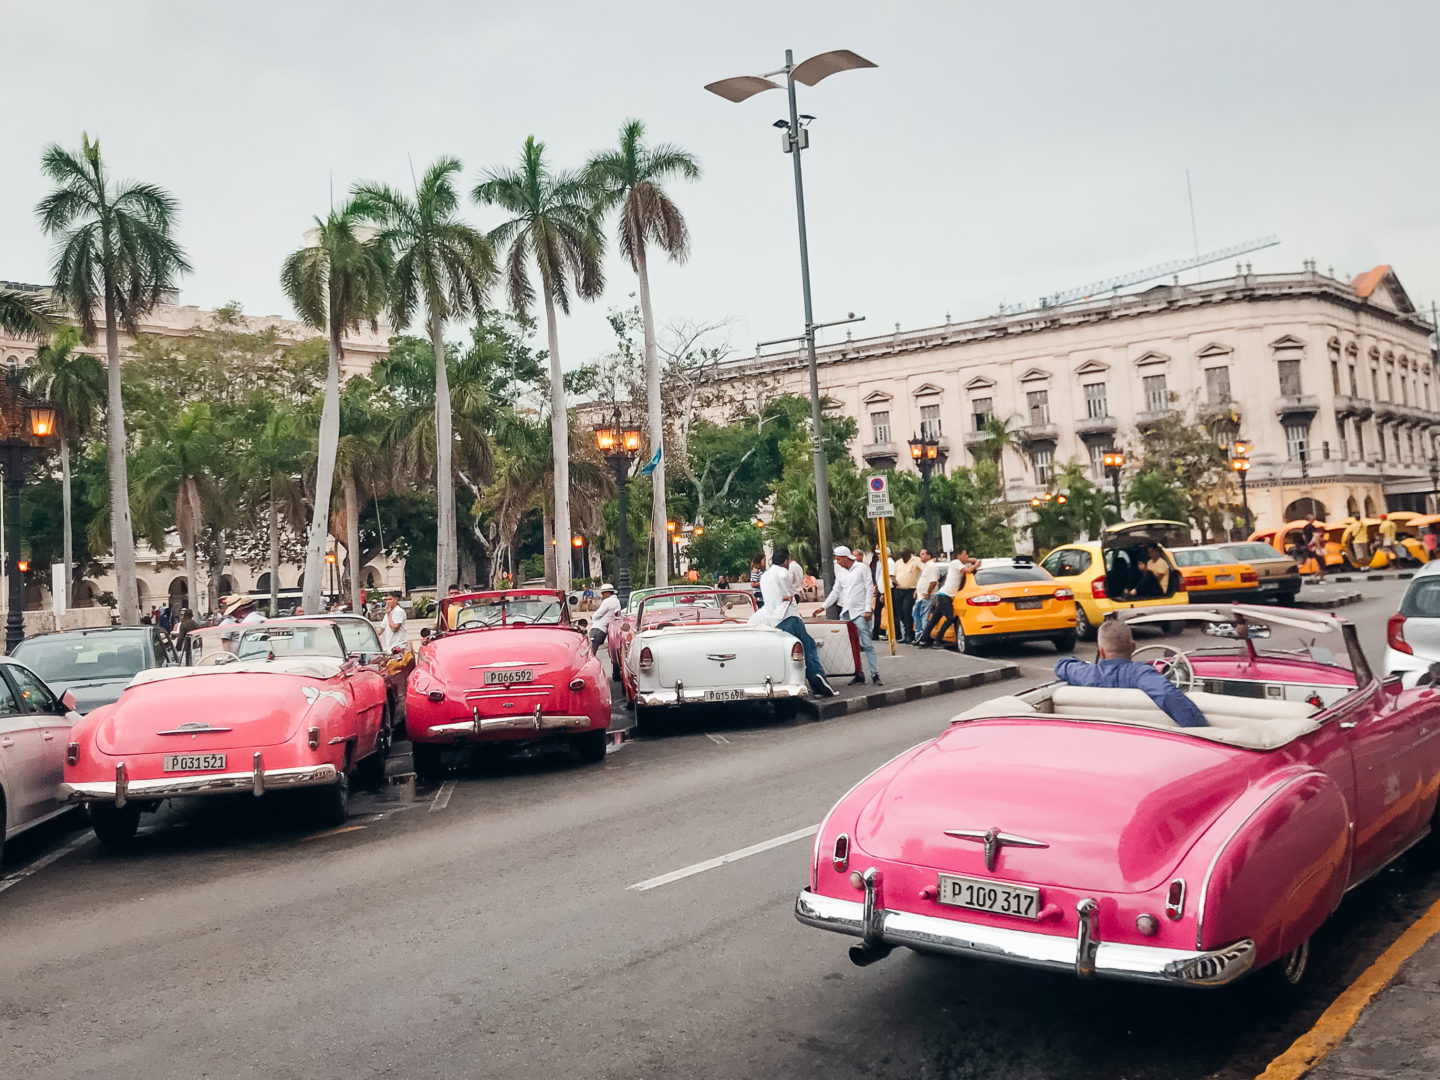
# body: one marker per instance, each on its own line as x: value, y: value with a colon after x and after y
x: 67, y: 702
x: 398, y: 650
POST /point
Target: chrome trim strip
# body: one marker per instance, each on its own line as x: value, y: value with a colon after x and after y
x: 258, y: 776
x: 1215, y: 860
x: 681, y: 696
x: 193, y: 729
x: 872, y: 916
x: 927, y: 933
x: 214, y: 783
x: 122, y: 785
x: 535, y: 721
x: 1087, y: 941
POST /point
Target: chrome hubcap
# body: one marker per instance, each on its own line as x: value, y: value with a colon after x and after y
x: 1294, y: 969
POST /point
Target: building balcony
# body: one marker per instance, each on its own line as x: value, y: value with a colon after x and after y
x: 1221, y: 412
x: 1040, y: 433
x: 1415, y: 416
x: 1345, y: 405
x: 1385, y: 411
x: 1089, y: 426
x: 1153, y: 416
x: 972, y: 439
x: 883, y: 454
x: 1297, y: 405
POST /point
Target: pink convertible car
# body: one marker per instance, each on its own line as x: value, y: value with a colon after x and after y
x: 1077, y: 829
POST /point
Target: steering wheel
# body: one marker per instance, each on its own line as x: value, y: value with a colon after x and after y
x: 215, y: 659
x: 1173, y: 664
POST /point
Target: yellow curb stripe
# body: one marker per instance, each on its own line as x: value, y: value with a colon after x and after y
x: 1335, y: 1022
x: 333, y: 832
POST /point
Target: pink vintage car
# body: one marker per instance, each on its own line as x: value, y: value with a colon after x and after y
x: 1081, y: 830
x: 278, y: 706
x: 505, y: 666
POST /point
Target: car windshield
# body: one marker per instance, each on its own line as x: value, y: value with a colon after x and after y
x: 1421, y: 600
x: 705, y: 606
x: 508, y: 611
x: 269, y: 642
x: 80, y: 658
x: 359, y: 636
x: 1273, y: 640
x: 1000, y: 575
x: 1253, y: 551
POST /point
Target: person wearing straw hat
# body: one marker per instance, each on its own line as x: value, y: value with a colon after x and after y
x: 237, y: 608
x: 600, y: 621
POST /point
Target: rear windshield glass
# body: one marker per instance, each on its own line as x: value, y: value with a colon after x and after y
x: 1253, y: 551
x: 75, y: 658
x: 999, y: 575
x: 1422, y: 599
x: 1195, y: 557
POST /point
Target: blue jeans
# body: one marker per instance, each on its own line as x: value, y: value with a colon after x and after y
x: 867, y: 644
x: 921, y: 618
x: 796, y: 628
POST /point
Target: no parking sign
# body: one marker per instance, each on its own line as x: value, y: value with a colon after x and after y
x: 878, y: 487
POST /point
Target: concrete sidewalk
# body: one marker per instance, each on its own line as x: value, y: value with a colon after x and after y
x: 1327, y: 597
x: 910, y: 674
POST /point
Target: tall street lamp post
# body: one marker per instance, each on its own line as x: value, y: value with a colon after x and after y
x: 1434, y: 483
x: 1241, y: 464
x: 1114, y: 461
x: 25, y: 425
x: 619, y: 442
x: 925, y: 451
x: 795, y: 139
x: 330, y: 558
x: 1036, y: 504
x: 577, y: 543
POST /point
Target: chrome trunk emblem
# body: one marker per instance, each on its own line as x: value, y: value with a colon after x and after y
x: 994, y: 840
x: 722, y: 657
x: 191, y: 729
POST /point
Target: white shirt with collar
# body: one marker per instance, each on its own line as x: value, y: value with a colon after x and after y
x: 851, y: 591
x: 777, y: 597
x: 608, y: 609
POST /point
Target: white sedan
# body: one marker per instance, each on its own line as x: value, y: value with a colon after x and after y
x: 697, y: 646
x: 35, y: 726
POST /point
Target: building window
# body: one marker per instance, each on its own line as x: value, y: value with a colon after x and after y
x: 880, y: 426
x: 1341, y: 426
x: 930, y: 421
x: 981, y: 410
x: 1389, y: 386
x: 1039, y: 402
x: 1409, y: 446
x: 1217, y: 385
x: 1296, y: 440
x: 1042, y: 460
x: 1404, y: 391
x: 1426, y: 391
x: 1354, y: 383
x: 1360, y: 440
x: 1335, y: 374
x: 1096, y: 407
x: 1157, y: 399
x: 1289, y: 378
x: 1097, y: 460
x: 1380, y: 439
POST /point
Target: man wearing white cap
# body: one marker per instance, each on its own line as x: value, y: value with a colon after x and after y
x: 600, y: 621
x: 854, y: 593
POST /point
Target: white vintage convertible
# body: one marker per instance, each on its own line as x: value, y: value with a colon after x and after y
x: 693, y: 646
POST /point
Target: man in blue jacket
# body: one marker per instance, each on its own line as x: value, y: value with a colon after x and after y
x: 1115, y: 670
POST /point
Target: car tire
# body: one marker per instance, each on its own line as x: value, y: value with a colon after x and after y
x: 332, y: 802
x: 591, y: 745
x: 614, y: 671
x: 1287, y: 977
x: 371, y: 770
x: 114, y: 825
x: 646, y: 718
x: 426, y: 759
x: 1084, y: 628
x: 1065, y: 643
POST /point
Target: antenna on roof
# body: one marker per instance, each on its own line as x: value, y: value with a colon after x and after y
x: 1194, y: 232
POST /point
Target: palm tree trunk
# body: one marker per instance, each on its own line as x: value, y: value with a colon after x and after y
x: 274, y: 553
x: 192, y: 571
x: 547, y: 538
x: 324, y: 479
x: 657, y: 423
x: 352, y: 540
x: 122, y: 536
x: 559, y: 445
x: 446, y: 554
x: 69, y: 554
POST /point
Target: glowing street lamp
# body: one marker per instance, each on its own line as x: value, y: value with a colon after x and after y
x: 1114, y: 461
x: 619, y: 442
x: 925, y: 451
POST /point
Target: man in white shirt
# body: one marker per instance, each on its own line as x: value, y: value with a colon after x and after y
x: 600, y: 621
x: 779, y: 588
x: 854, y: 592
x: 925, y: 587
x: 944, y: 598
x: 392, y: 632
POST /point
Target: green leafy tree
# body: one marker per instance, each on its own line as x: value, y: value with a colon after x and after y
x: 175, y: 466
x: 272, y: 469
x: 115, y: 253
x: 630, y: 179
x: 339, y: 280
x: 553, y: 224
x: 448, y: 266
x: 1183, y: 474
x: 74, y: 382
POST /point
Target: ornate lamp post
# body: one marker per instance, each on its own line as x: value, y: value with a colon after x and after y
x: 332, y: 560
x: 1048, y: 499
x: 1114, y: 461
x: 25, y: 425
x: 619, y: 442
x: 1241, y: 464
x: 577, y: 542
x: 925, y: 451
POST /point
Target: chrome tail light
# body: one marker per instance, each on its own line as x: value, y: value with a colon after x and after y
x: 840, y: 857
x: 1395, y: 634
x: 577, y: 685
x: 797, y: 653
x: 72, y: 753
x: 1175, y: 898
x: 314, y: 737
x: 647, y: 659
x: 436, y: 696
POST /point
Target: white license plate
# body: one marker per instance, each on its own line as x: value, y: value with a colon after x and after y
x: 993, y: 896
x: 1224, y: 577
x: 505, y: 678
x: 191, y: 762
x: 724, y: 695
x: 1028, y: 605
x: 1269, y: 586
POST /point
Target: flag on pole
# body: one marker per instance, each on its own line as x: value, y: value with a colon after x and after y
x: 653, y: 464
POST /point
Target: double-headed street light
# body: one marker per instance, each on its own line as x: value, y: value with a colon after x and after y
x: 795, y: 139
x: 1048, y: 499
x: 925, y: 452
x: 1240, y: 462
x: 1114, y: 461
x: 619, y: 442
x: 25, y: 425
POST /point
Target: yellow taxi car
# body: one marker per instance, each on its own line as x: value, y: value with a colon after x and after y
x: 1212, y: 574
x: 1115, y: 572
x: 1012, y: 599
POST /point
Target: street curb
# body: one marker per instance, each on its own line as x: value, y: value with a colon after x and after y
x: 1328, y: 605
x: 829, y: 708
x: 1405, y: 575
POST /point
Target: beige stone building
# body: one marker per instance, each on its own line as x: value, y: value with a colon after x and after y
x: 1332, y: 382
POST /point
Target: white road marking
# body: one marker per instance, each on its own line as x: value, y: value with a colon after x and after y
x: 718, y: 740
x: 442, y: 797
x: 40, y: 864
x: 734, y: 856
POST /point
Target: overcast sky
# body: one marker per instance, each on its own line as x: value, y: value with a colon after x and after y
x: 1000, y: 151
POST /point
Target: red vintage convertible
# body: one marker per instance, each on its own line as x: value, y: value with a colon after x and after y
x: 1081, y: 830
x: 284, y: 706
x: 505, y: 667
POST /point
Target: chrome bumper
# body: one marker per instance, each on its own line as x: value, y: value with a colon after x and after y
x: 529, y: 721
x: 680, y: 695
x: 1082, y: 955
x: 257, y: 781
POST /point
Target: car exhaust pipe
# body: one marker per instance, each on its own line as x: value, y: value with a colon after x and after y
x: 863, y: 955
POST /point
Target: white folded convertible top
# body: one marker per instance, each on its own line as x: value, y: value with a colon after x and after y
x: 312, y: 667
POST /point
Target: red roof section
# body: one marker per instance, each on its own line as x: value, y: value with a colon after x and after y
x: 1365, y: 283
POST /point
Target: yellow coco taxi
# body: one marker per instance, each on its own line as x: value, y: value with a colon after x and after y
x: 1116, y: 572
x: 1013, y: 600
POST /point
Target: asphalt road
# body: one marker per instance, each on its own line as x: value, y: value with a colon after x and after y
x: 489, y: 928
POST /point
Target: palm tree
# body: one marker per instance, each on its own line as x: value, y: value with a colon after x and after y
x: 74, y: 382
x: 360, y: 467
x: 175, y: 465
x: 338, y: 281
x: 444, y: 263
x: 114, y: 251
x: 272, y: 467
x: 1000, y: 435
x: 25, y: 316
x: 554, y: 223
x: 630, y: 178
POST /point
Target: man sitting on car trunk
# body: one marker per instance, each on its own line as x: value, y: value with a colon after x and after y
x: 1115, y: 670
